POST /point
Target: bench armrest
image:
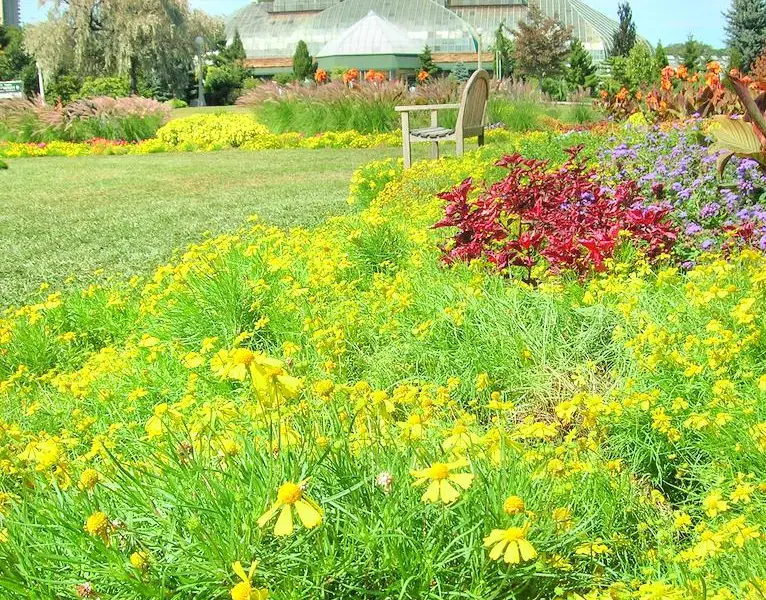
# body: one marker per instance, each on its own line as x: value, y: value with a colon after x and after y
x: 417, y: 107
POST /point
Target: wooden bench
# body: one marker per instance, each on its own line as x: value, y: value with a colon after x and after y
x: 472, y: 111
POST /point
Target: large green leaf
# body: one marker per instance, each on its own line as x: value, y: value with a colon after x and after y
x: 751, y: 105
x: 736, y: 136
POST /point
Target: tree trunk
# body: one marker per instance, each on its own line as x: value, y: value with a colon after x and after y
x: 133, y: 75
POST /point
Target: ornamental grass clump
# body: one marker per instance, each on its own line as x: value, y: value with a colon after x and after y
x: 564, y: 219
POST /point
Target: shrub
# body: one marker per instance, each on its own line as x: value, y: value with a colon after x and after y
x: 223, y: 85
x: 176, y: 103
x: 224, y: 130
x: 567, y: 218
x: 129, y: 119
x: 114, y: 87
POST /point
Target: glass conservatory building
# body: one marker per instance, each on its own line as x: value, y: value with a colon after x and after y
x: 389, y: 34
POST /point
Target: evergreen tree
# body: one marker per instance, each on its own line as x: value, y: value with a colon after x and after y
x: 582, y: 71
x: 660, y: 57
x: 691, y: 56
x: 303, y: 66
x: 641, y: 68
x: 542, y: 46
x: 235, y: 52
x: 427, y: 63
x: 15, y: 63
x: 461, y: 72
x: 625, y: 37
x: 746, y: 30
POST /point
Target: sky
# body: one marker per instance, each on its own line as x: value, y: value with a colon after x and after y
x: 667, y: 20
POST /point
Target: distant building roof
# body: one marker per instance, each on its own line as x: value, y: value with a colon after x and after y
x: 371, y: 35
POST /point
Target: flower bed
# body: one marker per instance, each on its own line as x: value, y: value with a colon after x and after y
x: 338, y: 408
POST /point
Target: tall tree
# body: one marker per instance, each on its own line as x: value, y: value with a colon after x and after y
x: 625, y: 37
x: 691, y: 55
x: 660, y: 57
x: 139, y: 38
x: 15, y: 63
x: 427, y: 63
x: 746, y: 30
x: 503, y: 47
x: 302, y: 62
x: 235, y: 52
x: 542, y: 46
x: 582, y: 71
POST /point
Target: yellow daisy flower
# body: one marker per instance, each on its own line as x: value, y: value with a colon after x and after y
x: 510, y: 544
x: 289, y: 496
x: 442, y: 476
x: 244, y: 589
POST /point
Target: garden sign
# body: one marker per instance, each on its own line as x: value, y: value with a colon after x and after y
x: 11, y: 89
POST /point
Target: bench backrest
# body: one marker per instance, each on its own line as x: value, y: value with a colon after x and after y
x: 473, y: 105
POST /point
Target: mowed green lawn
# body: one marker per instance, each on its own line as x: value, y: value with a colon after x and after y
x: 71, y: 216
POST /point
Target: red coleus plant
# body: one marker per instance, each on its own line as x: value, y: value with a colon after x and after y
x: 566, y: 217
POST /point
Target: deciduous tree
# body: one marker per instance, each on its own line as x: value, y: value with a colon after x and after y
x: 542, y: 46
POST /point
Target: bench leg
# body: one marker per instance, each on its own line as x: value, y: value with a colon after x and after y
x: 481, y: 139
x: 406, y: 143
x: 460, y: 145
x: 435, y: 150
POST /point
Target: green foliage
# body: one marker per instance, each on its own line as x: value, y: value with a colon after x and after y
x: 556, y: 87
x: 625, y: 37
x: 15, y: 63
x: 542, y: 46
x: 303, y: 65
x: 3, y: 165
x: 235, y: 52
x: 660, y: 57
x: 504, y: 49
x: 692, y: 55
x: 427, y: 63
x: 176, y: 103
x: 641, y: 68
x: 746, y: 31
x: 284, y: 78
x: 63, y: 87
x: 461, y: 72
x: 582, y: 71
x: 223, y: 84
x: 114, y: 87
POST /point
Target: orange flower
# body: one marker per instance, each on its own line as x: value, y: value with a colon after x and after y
x: 622, y: 95
x: 714, y: 67
x: 351, y: 75
x: 423, y: 75
x: 320, y: 76
x: 639, y: 95
x: 604, y: 95
x: 682, y: 72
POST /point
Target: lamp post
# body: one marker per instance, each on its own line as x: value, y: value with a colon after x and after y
x: 200, y: 42
x: 41, y: 82
x: 479, y: 33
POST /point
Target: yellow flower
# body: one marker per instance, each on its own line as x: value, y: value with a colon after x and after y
x: 289, y: 496
x: 140, y: 560
x: 482, y: 382
x: 89, y: 478
x: 714, y: 504
x: 98, y: 525
x: 513, y: 505
x: 441, y: 475
x: 510, y: 544
x: 244, y: 589
x: 592, y: 548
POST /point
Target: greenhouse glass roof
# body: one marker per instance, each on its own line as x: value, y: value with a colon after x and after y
x: 272, y: 29
x: 371, y: 35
